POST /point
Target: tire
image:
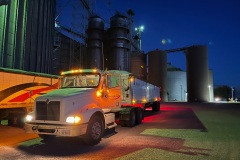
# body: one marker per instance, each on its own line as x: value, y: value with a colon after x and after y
x: 12, y: 121
x: 132, y: 118
x: 16, y: 119
x: 139, y: 116
x: 156, y: 107
x: 47, y: 138
x: 20, y: 120
x: 94, y: 131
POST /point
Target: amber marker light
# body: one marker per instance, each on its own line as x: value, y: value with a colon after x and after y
x: 99, y: 93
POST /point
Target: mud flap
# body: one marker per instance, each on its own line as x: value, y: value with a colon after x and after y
x: 125, y: 114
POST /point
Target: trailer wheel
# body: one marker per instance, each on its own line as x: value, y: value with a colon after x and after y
x: 132, y: 119
x: 94, y: 131
x: 16, y: 119
x: 47, y: 138
x: 12, y: 120
x: 156, y: 106
x: 139, y: 116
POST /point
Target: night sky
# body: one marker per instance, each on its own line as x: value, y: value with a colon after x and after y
x: 172, y: 24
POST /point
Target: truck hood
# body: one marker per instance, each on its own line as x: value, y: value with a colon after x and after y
x: 67, y: 92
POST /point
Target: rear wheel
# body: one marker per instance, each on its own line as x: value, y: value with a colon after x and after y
x: 139, y: 116
x: 132, y: 119
x: 16, y: 119
x: 94, y: 131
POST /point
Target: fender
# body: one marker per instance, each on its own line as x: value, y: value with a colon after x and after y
x: 88, y: 110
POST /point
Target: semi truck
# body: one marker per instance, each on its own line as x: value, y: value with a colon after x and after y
x: 89, y: 102
x: 18, y: 89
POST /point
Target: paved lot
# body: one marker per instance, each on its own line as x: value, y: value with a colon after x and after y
x: 179, y: 131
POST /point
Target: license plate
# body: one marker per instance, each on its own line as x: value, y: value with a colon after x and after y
x: 65, y: 132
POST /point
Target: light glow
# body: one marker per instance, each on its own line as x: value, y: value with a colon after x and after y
x: 144, y: 100
x: 79, y: 71
x: 133, y: 101
x: 29, y: 118
x: 132, y: 79
x: 99, y: 93
x: 72, y: 119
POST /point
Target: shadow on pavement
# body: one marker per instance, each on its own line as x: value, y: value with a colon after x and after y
x: 171, y: 117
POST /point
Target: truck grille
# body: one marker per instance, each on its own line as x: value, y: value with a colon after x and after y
x: 48, y: 110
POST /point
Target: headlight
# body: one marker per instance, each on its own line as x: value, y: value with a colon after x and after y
x: 72, y: 119
x: 29, y: 118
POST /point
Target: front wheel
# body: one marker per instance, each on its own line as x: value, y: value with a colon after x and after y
x: 94, y: 131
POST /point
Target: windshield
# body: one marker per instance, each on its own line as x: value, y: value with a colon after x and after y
x: 82, y: 80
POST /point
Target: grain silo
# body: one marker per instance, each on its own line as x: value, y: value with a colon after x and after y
x: 95, y: 34
x: 157, y: 71
x: 197, y: 73
x: 119, y: 57
x: 177, y: 83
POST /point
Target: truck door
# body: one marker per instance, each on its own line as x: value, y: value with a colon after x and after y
x: 111, y: 97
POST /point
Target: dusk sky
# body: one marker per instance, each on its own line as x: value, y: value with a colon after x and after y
x: 174, y: 24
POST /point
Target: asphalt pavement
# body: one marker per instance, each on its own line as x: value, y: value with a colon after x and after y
x: 178, y: 131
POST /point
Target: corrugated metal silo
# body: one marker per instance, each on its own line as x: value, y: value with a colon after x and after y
x: 119, y: 57
x: 39, y: 35
x: 138, y: 65
x: 95, y: 33
x: 12, y: 21
x: 177, y: 83
x: 157, y: 71
x: 27, y: 35
x: 197, y: 73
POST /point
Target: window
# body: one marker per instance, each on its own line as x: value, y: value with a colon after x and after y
x: 113, y: 81
x: 82, y: 80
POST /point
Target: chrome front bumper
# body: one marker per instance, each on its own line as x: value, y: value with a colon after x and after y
x: 58, y: 130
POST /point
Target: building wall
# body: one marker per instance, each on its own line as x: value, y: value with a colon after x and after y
x: 68, y: 54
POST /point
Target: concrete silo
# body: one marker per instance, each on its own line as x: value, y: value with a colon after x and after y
x: 197, y: 73
x: 157, y: 71
x: 95, y: 34
x: 119, y: 57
